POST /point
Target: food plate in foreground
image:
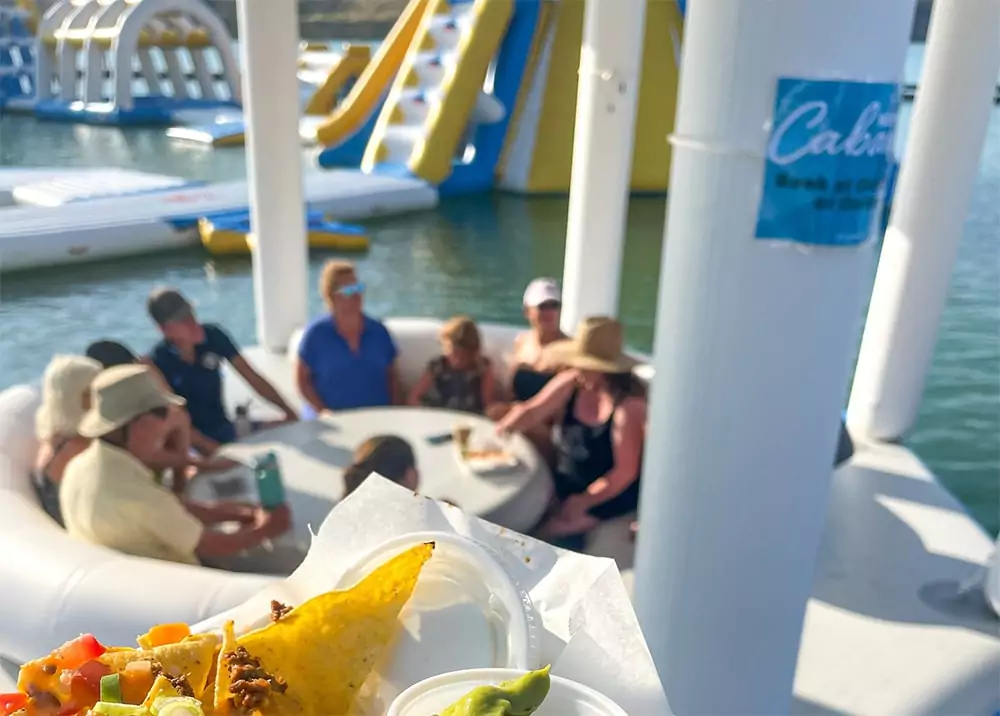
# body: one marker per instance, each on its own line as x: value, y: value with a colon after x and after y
x: 281, y: 669
x: 466, y: 611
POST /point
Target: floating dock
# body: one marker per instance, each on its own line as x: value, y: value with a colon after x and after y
x: 53, y: 217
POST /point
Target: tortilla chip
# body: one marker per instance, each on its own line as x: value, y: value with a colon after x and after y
x: 223, y: 677
x: 192, y: 657
x: 325, y: 648
x: 160, y: 687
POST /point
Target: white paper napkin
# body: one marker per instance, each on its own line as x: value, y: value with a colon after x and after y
x: 589, y: 631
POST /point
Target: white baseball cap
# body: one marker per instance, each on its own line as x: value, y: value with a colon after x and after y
x: 541, y: 290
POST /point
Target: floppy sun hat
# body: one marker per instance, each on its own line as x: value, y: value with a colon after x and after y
x: 119, y: 396
x: 597, y: 346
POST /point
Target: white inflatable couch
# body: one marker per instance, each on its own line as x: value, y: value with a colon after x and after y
x: 55, y: 587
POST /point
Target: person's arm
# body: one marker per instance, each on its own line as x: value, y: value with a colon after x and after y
x: 261, y: 386
x: 547, y: 404
x: 213, y: 514
x: 395, y: 387
x: 627, y: 433
x: 488, y: 384
x: 221, y: 343
x: 200, y: 442
x: 303, y: 381
x: 267, y: 525
x: 396, y: 396
x: 421, y: 388
x: 307, y: 357
x: 203, y: 444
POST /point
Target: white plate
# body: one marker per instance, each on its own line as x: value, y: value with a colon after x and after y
x: 466, y: 611
x: 490, y: 465
x: 566, y: 698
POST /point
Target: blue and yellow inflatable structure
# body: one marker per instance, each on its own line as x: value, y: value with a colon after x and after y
x: 230, y: 233
x: 471, y: 95
x: 18, y: 23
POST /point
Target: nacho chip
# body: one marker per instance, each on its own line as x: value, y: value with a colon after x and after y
x: 192, y: 657
x: 223, y: 675
x: 319, y: 654
x: 161, y: 687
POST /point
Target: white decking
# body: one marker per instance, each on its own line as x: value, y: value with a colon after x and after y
x: 889, y: 629
x: 32, y: 236
x: 897, y: 623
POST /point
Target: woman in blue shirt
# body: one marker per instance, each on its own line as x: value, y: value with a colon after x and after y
x: 346, y: 359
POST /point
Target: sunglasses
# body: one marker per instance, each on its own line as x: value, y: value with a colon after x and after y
x: 351, y: 289
x: 549, y: 306
x: 161, y: 413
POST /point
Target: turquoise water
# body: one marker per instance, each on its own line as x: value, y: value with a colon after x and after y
x: 475, y: 255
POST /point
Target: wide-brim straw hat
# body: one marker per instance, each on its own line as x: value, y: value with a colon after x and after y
x: 597, y: 346
x: 121, y: 394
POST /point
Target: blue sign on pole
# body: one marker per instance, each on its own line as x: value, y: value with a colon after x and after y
x: 828, y: 155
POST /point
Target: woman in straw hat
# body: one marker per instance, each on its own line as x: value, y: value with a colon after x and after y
x: 599, y: 409
x: 65, y: 399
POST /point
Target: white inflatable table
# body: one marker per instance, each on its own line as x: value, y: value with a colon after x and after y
x: 313, y: 456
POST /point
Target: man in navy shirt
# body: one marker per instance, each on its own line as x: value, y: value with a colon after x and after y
x: 346, y: 359
x: 190, y: 357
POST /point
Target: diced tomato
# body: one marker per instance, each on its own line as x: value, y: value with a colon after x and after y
x: 91, y: 673
x: 10, y: 703
x: 77, y: 651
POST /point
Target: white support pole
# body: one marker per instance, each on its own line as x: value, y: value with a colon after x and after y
x: 752, y: 357
x: 600, y: 181
x: 269, y: 41
x: 946, y: 135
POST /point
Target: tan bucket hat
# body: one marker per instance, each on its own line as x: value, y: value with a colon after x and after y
x: 121, y: 394
x: 597, y: 346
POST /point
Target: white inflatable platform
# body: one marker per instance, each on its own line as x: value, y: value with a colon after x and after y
x: 50, y: 217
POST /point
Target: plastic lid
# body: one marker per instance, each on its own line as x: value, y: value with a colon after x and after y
x: 466, y: 611
x: 566, y: 698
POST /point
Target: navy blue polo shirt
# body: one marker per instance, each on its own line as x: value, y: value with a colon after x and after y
x: 200, y: 382
x: 345, y: 379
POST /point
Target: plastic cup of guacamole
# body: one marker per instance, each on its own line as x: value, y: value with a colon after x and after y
x: 448, y: 694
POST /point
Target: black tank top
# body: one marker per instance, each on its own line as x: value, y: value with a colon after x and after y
x: 528, y: 383
x: 586, y: 453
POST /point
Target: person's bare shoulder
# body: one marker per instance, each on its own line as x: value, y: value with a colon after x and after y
x: 631, y: 410
x: 519, y: 341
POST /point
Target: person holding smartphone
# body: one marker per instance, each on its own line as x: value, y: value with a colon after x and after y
x: 110, y: 497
